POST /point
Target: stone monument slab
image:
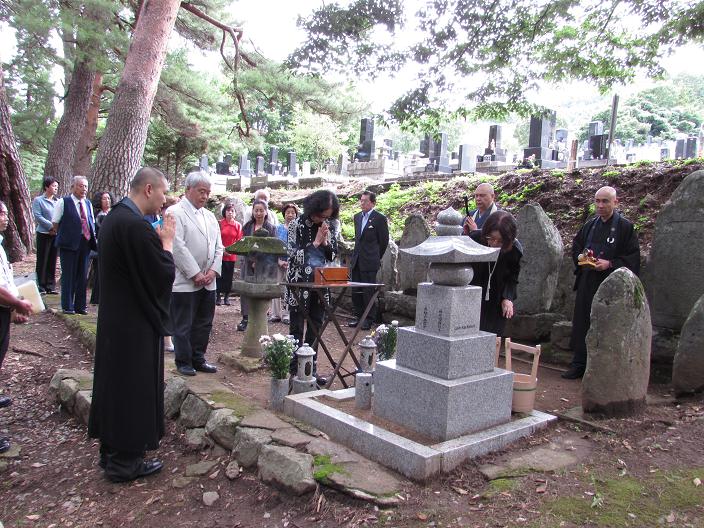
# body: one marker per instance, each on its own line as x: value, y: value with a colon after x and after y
x: 445, y: 357
x: 441, y: 409
x: 448, y: 310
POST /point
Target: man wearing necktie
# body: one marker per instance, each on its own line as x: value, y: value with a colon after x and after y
x: 371, y: 238
x: 75, y: 237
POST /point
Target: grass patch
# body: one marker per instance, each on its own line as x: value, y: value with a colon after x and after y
x: 323, y: 468
x: 230, y: 400
x: 501, y: 485
x: 611, y: 175
x: 628, y: 501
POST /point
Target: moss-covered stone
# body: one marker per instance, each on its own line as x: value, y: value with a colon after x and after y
x: 257, y: 244
x: 323, y: 468
x: 230, y: 400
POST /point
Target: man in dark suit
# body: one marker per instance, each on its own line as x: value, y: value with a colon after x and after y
x: 75, y: 237
x: 371, y: 238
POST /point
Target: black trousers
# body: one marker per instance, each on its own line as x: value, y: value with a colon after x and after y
x: 192, y: 319
x: 361, y: 296
x: 587, y: 286
x: 224, y: 282
x: 297, y: 324
x: 74, y: 276
x: 46, y: 261
x: 5, y: 318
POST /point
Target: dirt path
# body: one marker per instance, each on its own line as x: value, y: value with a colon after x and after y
x: 644, y: 474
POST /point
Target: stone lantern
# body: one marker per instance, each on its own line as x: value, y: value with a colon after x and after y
x: 367, y: 354
x: 259, y: 283
x: 304, y: 380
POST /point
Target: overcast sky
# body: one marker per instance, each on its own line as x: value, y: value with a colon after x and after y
x: 271, y: 26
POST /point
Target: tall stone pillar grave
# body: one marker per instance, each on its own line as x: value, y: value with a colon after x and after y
x: 443, y: 382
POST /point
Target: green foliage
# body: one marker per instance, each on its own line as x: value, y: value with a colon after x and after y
x: 522, y: 195
x: 591, y: 209
x: 507, y: 48
x: 278, y: 351
x: 385, y: 337
x: 672, y: 107
x: 611, y: 175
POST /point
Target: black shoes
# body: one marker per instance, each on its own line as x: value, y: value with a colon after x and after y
x: 206, y: 367
x: 82, y: 312
x: 51, y: 292
x: 366, y: 325
x: 186, y: 370
x: 242, y: 326
x: 226, y: 300
x: 148, y: 468
x: 218, y: 301
x: 4, y: 444
x: 5, y: 401
x: 321, y: 380
x: 68, y: 312
x: 573, y: 373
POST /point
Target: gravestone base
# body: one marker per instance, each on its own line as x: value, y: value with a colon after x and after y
x: 439, y: 408
x: 415, y: 460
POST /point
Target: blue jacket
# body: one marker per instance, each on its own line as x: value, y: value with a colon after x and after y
x: 42, y: 209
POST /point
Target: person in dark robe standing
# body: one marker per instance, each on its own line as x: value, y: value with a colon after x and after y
x: 498, y: 280
x: 136, y: 274
x: 613, y: 243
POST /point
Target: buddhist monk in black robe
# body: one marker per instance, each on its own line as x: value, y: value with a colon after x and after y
x: 613, y: 242
x: 136, y: 274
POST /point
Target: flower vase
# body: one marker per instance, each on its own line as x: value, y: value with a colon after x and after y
x: 279, y: 390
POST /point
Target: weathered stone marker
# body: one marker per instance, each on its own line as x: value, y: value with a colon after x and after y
x: 688, y: 368
x: 618, y: 348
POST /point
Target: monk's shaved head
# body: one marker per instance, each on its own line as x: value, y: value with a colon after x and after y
x: 144, y: 176
x: 605, y: 201
x: 606, y: 191
x: 485, y: 188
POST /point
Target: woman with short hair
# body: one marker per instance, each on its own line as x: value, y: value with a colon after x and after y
x: 231, y: 232
x: 498, y: 280
x: 43, y: 209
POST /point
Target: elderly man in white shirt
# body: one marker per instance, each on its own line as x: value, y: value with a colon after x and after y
x: 198, y: 257
x: 9, y: 303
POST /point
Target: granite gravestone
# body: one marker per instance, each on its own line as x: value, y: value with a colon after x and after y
x: 273, y: 161
x: 366, y: 150
x: 616, y: 379
x: 443, y: 382
x: 244, y: 166
x: 342, y: 162
x: 222, y: 168
x: 541, y: 140
x: 680, y: 147
x: 204, y: 163
x: 494, y: 151
x: 467, y: 158
x: 436, y: 152
x: 292, y: 167
x: 691, y: 148
x: 260, y: 165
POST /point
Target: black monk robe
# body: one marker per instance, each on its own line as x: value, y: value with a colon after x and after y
x: 615, y: 240
x: 136, y: 274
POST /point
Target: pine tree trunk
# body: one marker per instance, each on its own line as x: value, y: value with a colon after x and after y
x: 87, y: 142
x: 122, y: 145
x: 14, y: 191
x: 59, y: 160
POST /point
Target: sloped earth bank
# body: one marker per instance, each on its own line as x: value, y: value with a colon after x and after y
x: 646, y: 472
